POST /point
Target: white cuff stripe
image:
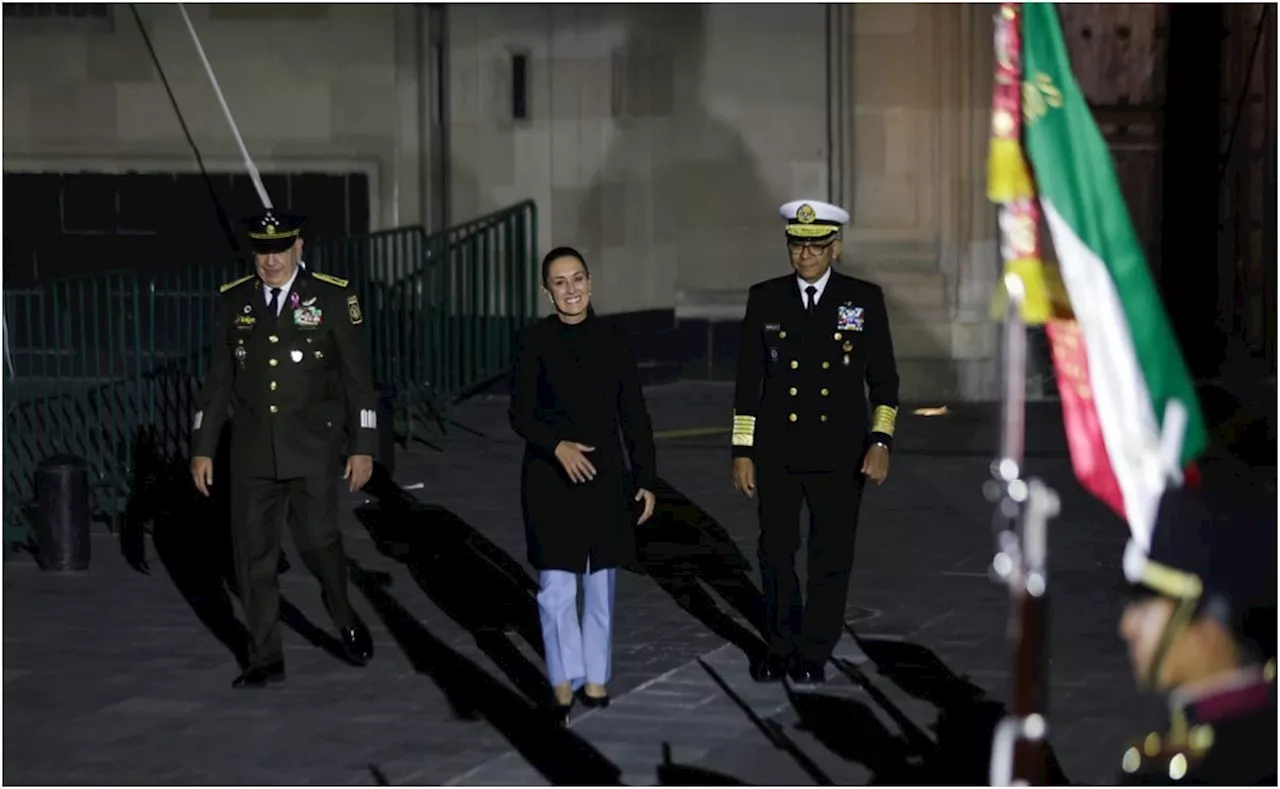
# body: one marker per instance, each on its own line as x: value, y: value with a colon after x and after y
x: 198, y: 421
x: 368, y: 419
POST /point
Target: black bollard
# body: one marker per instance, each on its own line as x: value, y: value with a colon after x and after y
x: 62, y: 517
x: 386, y: 427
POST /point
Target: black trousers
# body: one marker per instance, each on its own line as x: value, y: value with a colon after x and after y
x: 313, y: 518
x: 812, y: 628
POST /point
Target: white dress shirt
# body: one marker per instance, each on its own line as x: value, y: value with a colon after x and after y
x: 284, y: 291
x: 821, y: 285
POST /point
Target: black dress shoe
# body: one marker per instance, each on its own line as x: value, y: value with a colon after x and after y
x: 771, y: 669
x: 357, y: 644
x: 807, y: 672
x: 260, y: 676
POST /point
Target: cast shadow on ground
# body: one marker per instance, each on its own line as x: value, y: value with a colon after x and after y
x: 672, y: 774
x: 556, y: 752
x: 958, y: 754
x: 472, y: 580
x: 687, y: 552
x: 191, y: 535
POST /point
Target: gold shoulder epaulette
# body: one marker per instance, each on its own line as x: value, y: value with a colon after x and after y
x: 235, y: 282
x: 332, y: 280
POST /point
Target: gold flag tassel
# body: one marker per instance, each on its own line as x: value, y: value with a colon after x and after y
x: 1010, y: 185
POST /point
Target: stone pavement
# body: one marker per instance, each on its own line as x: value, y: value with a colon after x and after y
x: 111, y: 678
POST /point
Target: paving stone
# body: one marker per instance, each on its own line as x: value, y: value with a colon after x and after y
x: 110, y: 678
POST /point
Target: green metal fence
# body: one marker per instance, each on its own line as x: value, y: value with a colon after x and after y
x: 97, y: 358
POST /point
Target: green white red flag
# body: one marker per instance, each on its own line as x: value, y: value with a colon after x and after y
x: 1133, y: 422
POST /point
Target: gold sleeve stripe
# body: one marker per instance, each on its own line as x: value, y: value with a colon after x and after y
x: 1174, y: 583
x: 744, y: 430
x: 884, y: 420
x: 235, y: 282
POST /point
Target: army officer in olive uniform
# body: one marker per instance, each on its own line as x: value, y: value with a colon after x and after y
x: 290, y: 370
x: 810, y: 341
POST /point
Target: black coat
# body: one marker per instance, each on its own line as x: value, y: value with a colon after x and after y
x: 799, y: 400
x: 292, y: 384
x: 580, y: 383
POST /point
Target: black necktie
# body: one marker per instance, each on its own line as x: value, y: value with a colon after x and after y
x: 811, y: 290
x: 274, y: 305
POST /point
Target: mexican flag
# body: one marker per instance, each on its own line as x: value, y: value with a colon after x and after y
x: 1133, y: 421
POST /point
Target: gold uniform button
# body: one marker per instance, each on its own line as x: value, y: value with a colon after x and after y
x: 823, y: 417
x: 794, y: 364
x: 793, y: 391
x: 782, y: 335
x: 839, y: 336
x: 273, y: 386
x: 273, y: 362
x: 273, y: 338
x: 1132, y: 761
x: 274, y: 409
x: 792, y: 417
x: 825, y: 392
x: 826, y: 365
x: 1151, y: 745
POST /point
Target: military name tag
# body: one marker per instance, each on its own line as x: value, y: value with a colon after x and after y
x: 773, y: 327
x: 849, y: 318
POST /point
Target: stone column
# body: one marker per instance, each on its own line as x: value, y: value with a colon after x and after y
x: 911, y: 167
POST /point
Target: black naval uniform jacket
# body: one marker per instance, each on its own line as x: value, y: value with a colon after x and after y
x: 290, y: 385
x: 799, y: 400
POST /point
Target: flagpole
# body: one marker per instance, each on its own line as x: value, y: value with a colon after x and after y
x: 1019, y: 751
x: 226, y: 110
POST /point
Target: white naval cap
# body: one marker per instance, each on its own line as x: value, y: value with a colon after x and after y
x: 812, y: 218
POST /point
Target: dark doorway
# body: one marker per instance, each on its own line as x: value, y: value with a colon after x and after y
x: 60, y: 224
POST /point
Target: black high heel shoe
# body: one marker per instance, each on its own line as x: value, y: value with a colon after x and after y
x: 594, y: 702
x: 560, y: 712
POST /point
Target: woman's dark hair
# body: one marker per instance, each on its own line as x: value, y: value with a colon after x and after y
x: 562, y: 252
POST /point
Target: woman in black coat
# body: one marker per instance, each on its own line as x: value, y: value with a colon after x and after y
x: 574, y: 389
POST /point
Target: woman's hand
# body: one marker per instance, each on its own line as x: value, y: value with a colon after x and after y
x: 649, y: 501
x: 570, y: 454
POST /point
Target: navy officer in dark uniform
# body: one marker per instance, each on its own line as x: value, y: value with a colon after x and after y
x: 811, y: 341
x: 290, y: 371
x: 1201, y: 629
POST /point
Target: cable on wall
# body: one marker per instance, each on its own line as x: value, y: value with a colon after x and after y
x: 223, y: 220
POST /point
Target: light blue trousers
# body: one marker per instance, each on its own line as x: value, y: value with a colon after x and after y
x: 577, y: 653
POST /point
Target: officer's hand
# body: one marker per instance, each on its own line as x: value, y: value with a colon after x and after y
x: 649, y: 501
x: 744, y: 476
x: 202, y: 473
x: 876, y: 464
x: 570, y: 454
x: 359, y: 469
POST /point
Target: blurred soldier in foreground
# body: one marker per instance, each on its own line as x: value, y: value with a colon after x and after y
x: 1202, y: 630
x: 289, y: 368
